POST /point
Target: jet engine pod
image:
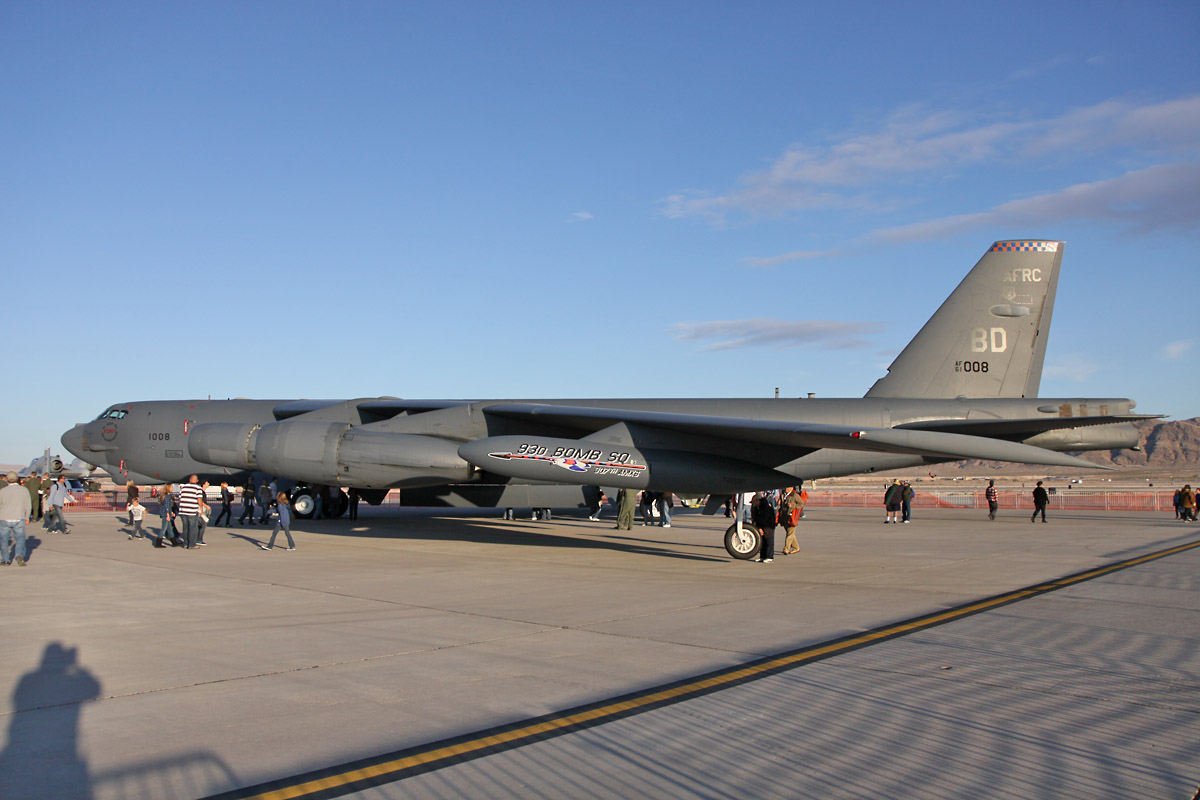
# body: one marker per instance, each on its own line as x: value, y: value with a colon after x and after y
x: 1119, y: 436
x: 226, y: 444
x: 377, y: 460
x: 337, y: 454
x: 583, y: 462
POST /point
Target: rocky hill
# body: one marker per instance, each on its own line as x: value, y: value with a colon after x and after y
x: 1166, y: 445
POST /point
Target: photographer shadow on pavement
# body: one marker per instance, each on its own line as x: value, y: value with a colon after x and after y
x: 41, y: 754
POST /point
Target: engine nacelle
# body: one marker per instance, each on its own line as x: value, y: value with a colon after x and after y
x: 578, y: 461
x: 332, y: 453
x: 226, y: 444
x: 1119, y: 436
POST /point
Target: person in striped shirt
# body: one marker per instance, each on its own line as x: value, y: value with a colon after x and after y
x: 191, y: 496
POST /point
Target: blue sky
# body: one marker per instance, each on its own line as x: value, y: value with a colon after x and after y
x: 671, y: 199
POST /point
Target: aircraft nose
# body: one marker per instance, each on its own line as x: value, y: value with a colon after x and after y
x: 73, y: 440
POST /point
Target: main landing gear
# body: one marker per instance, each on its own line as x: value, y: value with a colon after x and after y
x: 304, y: 502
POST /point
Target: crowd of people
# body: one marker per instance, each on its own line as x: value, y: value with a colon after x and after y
x: 188, y: 506
x: 766, y: 511
x: 184, y: 511
x: 1185, y: 504
x: 28, y: 500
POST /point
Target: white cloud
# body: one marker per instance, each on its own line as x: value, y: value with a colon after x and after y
x: 581, y: 216
x: 852, y: 172
x: 1179, y: 349
x: 1144, y: 200
x: 775, y: 333
x: 784, y: 258
x: 1033, y: 70
x: 1071, y: 368
x: 1173, y: 125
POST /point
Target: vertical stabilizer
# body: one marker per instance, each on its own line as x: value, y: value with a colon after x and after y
x: 989, y: 338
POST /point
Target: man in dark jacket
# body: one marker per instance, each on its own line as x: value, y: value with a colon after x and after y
x: 264, y: 501
x: 226, y: 506
x: 647, y: 504
x: 1040, y: 501
x: 248, y: 492
x: 762, y: 514
x: 891, y: 500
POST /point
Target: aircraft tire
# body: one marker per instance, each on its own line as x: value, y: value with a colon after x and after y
x: 340, y: 503
x: 303, y: 502
x: 743, y: 547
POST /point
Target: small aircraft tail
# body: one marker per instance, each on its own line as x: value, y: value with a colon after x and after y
x: 988, y: 339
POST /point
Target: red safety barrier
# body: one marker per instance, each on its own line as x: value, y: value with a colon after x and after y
x: 1064, y: 501
x: 1071, y: 500
x: 97, y: 501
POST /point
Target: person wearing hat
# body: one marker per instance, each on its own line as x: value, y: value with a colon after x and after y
x: 14, y: 510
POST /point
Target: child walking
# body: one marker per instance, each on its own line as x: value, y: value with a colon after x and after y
x: 137, y: 512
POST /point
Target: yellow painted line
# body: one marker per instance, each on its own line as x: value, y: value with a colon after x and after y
x: 596, y: 714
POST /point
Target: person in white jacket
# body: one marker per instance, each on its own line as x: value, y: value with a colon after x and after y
x: 15, y: 506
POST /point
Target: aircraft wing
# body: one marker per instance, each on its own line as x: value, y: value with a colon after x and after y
x: 374, y: 409
x: 732, y: 434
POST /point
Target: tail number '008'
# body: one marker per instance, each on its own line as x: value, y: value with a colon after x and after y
x: 160, y: 437
x: 970, y: 366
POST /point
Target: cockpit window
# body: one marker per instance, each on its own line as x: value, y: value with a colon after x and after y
x: 114, y: 413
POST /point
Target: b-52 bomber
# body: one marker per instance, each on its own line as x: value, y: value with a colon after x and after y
x: 965, y: 387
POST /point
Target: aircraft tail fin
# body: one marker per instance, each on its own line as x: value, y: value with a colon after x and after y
x: 988, y: 339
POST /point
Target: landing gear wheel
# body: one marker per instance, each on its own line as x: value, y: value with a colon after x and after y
x: 745, y: 545
x: 303, y: 502
x: 339, y: 502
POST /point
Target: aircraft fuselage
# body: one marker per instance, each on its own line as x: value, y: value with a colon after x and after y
x: 344, y: 443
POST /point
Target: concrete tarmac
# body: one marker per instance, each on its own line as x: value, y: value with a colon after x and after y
x: 137, y: 672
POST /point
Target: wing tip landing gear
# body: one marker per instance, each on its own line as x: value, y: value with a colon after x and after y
x: 744, y: 545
